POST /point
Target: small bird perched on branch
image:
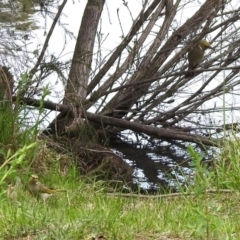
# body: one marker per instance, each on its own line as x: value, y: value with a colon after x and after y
x: 39, y: 190
x: 195, y: 55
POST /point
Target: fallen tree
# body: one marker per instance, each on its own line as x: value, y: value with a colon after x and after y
x: 122, y: 124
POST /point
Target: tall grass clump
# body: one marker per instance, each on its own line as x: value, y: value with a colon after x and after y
x: 226, y: 166
x: 19, y: 130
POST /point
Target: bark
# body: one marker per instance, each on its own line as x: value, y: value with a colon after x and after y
x: 76, y: 89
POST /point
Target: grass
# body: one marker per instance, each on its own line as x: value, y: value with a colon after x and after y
x: 87, y: 211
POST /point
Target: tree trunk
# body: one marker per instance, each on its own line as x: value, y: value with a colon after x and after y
x: 76, y: 89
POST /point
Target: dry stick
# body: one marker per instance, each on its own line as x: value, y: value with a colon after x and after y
x: 170, y: 195
x: 100, y: 151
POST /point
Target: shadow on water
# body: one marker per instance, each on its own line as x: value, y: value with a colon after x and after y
x: 161, y: 168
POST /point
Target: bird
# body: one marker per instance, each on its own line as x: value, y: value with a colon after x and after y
x: 195, y: 55
x: 39, y: 190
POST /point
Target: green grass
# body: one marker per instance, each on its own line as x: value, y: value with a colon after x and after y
x: 87, y: 211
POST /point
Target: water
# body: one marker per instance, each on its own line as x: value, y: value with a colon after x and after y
x: 160, y: 167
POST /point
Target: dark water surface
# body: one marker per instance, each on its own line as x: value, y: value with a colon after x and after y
x: 162, y: 167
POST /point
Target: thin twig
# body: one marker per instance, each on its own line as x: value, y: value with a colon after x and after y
x: 40, y: 58
x: 170, y: 195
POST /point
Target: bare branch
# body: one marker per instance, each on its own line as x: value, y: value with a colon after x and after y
x: 151, y: 131
x: 141, y: 19
x: 45, y: 46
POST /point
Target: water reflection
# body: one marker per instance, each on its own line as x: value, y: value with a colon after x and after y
x: 160, y: 167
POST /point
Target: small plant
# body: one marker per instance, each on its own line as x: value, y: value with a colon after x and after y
x: 9, y: 166
x: 203, y: 210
